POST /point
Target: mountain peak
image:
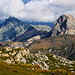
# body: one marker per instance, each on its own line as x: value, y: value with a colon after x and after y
x: 11, y: 19
x: 65, y: 24
x: 67, y: 16
x: 12, y: 28
x: 63, y: 19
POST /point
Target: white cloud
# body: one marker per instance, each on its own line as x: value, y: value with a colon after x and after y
x: 36, y: 10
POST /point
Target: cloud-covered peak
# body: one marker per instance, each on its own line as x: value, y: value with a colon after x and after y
x: 36, y: 10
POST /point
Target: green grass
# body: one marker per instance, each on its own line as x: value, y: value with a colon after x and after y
x: 17, y: 69
x: 26, y: 69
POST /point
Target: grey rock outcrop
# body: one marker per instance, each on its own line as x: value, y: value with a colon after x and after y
x: 65, y: 24
x: 44, y: 61
x: 12, y: 28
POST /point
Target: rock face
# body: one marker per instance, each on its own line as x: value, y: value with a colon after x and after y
x: 13, y: 55
x: 12, y: 28
x: 65, y: 24
x: 31, y: 32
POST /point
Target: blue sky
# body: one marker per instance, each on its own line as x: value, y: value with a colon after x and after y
x: 36, y: 10
x: 25, y: 1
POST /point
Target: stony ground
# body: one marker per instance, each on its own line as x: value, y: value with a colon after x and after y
x: 46, y: 61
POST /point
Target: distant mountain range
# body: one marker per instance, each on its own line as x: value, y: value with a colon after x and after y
x: 12, y: 28
x: 50, y: 24
x: 59, y: 40
x: 31, y: 32
x: 42, y: 27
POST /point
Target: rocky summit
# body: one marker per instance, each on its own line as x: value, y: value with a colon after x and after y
x: 12, y: 28
x: 65, y: 24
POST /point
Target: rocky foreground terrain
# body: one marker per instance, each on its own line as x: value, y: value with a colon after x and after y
x: 46, y: 61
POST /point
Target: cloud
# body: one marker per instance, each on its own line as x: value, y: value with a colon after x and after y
x: 36, y: 10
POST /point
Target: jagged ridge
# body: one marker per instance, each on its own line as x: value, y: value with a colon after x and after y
x: 31, y: 32
x: 12, y: 28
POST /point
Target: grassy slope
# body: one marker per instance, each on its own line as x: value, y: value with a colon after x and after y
x: 25, y: 69
x: 57, y: 42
